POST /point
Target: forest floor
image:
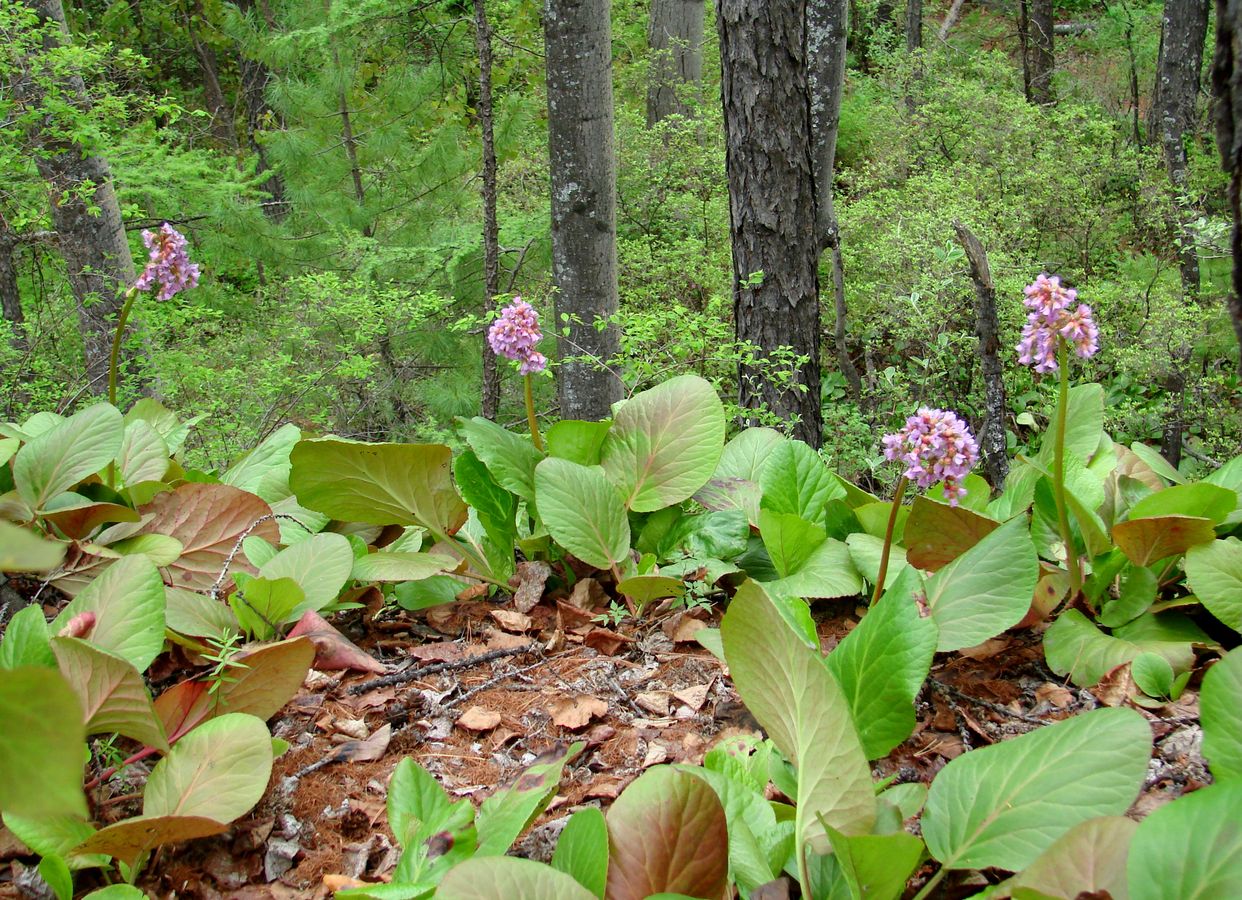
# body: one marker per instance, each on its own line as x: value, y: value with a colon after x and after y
x: 476, y: 691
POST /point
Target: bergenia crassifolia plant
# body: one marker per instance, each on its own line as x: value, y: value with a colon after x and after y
x: 936, y: 446
x: 1055, y: 323
x: 514, y: 335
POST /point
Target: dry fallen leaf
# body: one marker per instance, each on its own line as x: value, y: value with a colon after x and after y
x: 500, y: 640
x: 476, y: 718
x: 587, y: 594
x: 608, y: 788
x: 510, y: 620
x: 575, y: 712
x: 685, y: 630
x: 1116, y: 687
x: 654, y: 702
x: 1054, y: 694
x: 531, y: 578
x: 656, y: 754
x: 354, y: 728
x: 986, y: 650
x: 605, y: 641
x: 693, y: 697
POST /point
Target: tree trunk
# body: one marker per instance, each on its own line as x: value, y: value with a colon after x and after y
x: 10, y: 296
x: 1182, y: 33
x: 768, y: 160
x: 578, y: 40
x: 914, y: 25
x: 1227, y: 100
x: 992, y: 434
x: 91, y: 234
x: 491, y: 230
x: 1043, y: 60
x: 1024, y: 46
x: 675, y: 38
x: 213, y: 94
x: 254, y: 78
x: 826, y: 33
x: 347, y: 128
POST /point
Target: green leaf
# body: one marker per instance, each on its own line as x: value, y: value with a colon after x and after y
x: 1090, y: 858
x: 1074, y: 646
x: 24, y: 551
x: 55, y: 874
x: 264, y: 471
x: 62, y: 456
x: 434, y: 591
x: 577, y: 441
x: 218, y: 771
x: 789, y: 539
x: 379, y: 484
x: 866, y: 552
x: 1152, y: 674
x: 881, y: 666
x: 1137, y: 593
x: 489, y: 877
x: 1214, y: 572
x: 160, y: 549
x: 1220, y: 705
x: 41, y: 745
x: 163, y: 420
x: 985, y: 590
x: 1145, y: 541
x: 1157, y: 463
x: 644, y: 589
x: 1084, y: 426
x: 319, y: 565
x: 582, y: 850
x: 197, y: 615
x: 583, y: 511
x: 665, y: 443
x: 511, y: 458
x: 262, y: 605
x: 56, y: 834
x: 508, y: 812
x: 385, y: 566
x: 826, y: 573
x: 797, y: 481
x: 127, y: 600
x: 419, y: 813
x: 796, y: 700
x: 746, y: 455
x: 111, y: 691
x: 25, y: 641
x: 1230, y: 476
x: 117, y: 892
x: 1206, y: 501
x: 876, y: 866
x: 143, y: 455
x: 131, y: 839
x: 667, y: 833
x: 1190, y: 849
x: 1001, y: 806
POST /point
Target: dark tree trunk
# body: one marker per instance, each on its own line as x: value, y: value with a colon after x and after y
x: 1175, y: 418
x: 1227, y: 101
x: 992, y: 434
x: 213, y: 94
x: 10, y: 296
x: 578, y: 40
x: 254, y: 78
x: 826, y: 32
x: 914, y: 25
x: 768, y: 159
x: 91, y: 234
x: 1043, y: 60
x: 1024, y: 45
x: 491, y: 231
x: 1182, y: 33
x: 675, y: 38
x: 347, y: 127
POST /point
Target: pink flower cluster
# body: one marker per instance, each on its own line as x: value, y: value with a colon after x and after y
x: 1051, y: 320
x: 169, y: 265
x: 514, y: 335
x: 935, y: 445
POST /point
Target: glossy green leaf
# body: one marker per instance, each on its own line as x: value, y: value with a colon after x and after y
x: 264, y: 471
x: 385, y: 566
x: 1084, y: 426
x: 218, y: 771
x: 24, y: 551
x: 1190, y: 849
x: 577, y: 441
x: 197, y: 615
x: 489, y: 877
x: 667, y: 833
x: 510, y: 457
x: 789, y: 539
x: 128, y: 603
x: 25, y: 641
x: 1138, y: 587
x: 1003, y: 805
x: 320, y: 565
x: 797, y: 701
x: 262, y: 605
x: 508, y: 812
x: 644, y: 589
x: 582, y: 850
x: 160, y: 549
x: 56, y: 875
x: 985, y: 590
x: 747, y: 454
x: 113, y: 695
x: 876, y: 866
x: 41, y: 745
x: 828, y: 572
x: 1152, y: 674
x: 665, y: 443
x: 881, y: 666
x: 117, y: 892
x: 434, y: 591
x: 1204, y: 500
x: 866, y: 552
x: 163, y: 420
x: 1090, y: 858
x: 143, y: 455
x: 1214, y: 572
x: 1074, y: 646
x: 379, y: 484
x: 796, y: 480
x: 583, y: 511
x: 1220, y: 705
x: 63, y: 455
x: 56, y: 834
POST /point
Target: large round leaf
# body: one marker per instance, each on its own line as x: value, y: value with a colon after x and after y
x: 218, y: 771
x: 63, y: 455
x: 489, y: 877
x: 1220, y: 704
x: 1190, y: 849
x: 665, y: 443
x: 583, y: 511
x: 1002, y: 806
x: 985, y: 590
x: 113, y: 695
x: 1215, y: 574
x: 667, y: 834
x: 127, y: 601
x: 320, y: 565
x: 1090, y: 859
x: 25, y: 551
x: 41, y: 745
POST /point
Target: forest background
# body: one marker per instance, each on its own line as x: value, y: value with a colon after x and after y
x: 326, y: 159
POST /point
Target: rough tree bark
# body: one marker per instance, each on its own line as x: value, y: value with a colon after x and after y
x: 1182, y: 33
x: 93, y: 244
x: 10, y: 296
x: 578, y: 42
x: 491, y: 230
x: 675, y: 38
x: 914, y: 25
x: 992, y: 434
x: 347, y: 127
x: 1039, y: 43
x: 209, y: 65
x: 768, y: 160
x: 1227, y: 111
x: 254, y: 78
x: 827, y: 28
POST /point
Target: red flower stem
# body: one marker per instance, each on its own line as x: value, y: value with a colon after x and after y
x: 888, y: 539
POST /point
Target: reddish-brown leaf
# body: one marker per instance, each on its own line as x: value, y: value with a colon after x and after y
x: 936, y: 534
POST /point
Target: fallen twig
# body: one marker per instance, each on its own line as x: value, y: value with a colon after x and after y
x: 419, y: 671
x: 986, y: 704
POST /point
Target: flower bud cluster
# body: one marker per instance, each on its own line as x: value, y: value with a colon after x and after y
x: 169, y: 267
x: 515, y: 334
x: 1053, y: 317
x: 935, y: 445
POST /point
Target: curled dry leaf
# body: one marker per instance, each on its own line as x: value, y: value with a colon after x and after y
x: 575, y: 712
x: 333, y: 650
x: 654, y: 702
x: 510, y: 620
x: 530, y: 578
x: 693, y: 697
x: 476, y: 718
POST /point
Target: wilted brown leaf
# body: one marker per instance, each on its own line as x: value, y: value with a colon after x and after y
x: 575, y: 712
x: 476, y: 718
x: 333, y: 651
x: 511, y: 620
x: 531, y: 578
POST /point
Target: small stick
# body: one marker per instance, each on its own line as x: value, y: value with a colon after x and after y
x: 986, y: 704
x: 419, y: 671
x: 492, y: 682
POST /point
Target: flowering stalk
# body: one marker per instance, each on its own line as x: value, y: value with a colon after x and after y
x: 531, y: 420
x: 1058, y: 476
x: 514, y: 335
x: 888, y: 539
x: 114, y: 359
